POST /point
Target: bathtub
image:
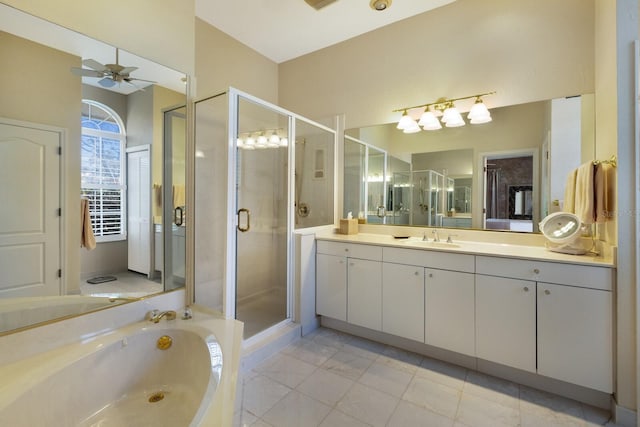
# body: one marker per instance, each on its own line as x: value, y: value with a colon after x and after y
x: 122, y: 378
x: 16, y: 313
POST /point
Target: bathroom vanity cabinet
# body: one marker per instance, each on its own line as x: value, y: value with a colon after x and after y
x: 558, y: 322
x: 548, y: 318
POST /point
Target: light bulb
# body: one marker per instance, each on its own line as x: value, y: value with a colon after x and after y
x: 479, y: 113
x: 261, y: 142
x: 406, y: 121
x: 412, y: 129
x: 429, y: 121
x: 274, y: 140
x: 250, y: 142
x: 239, y: 143
x: 284, y: 142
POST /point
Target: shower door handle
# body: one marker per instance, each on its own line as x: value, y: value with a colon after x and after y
x: 248, y: 215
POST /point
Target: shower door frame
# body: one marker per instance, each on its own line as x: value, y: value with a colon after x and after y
x: 229, y: 297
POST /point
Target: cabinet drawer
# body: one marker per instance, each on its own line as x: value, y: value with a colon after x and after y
x: 542, y: 271
x: 351, y: 250
x: 431, y: 259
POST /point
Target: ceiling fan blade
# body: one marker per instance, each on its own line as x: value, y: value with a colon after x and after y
x: 86, y: 73
x: 127, y: 70
x: 92, y: 63
x: 107, y: 82
x: 128, y: 79
x: 319, y: 4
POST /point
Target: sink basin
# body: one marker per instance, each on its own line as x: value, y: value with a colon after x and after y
x: 430, y: 244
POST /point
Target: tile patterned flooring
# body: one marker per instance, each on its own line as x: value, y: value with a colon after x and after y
x: 332, y: 379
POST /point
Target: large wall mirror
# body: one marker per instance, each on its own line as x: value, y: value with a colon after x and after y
x: 92, y: 181
x: 504, y: 175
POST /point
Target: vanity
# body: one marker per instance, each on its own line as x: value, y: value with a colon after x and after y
x: 520, y: 308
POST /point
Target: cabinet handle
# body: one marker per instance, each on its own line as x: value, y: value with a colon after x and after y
x: 346, y: 249
x: 536, y: 271
x: 526, y: 289
x: 547, y: 292
x: 416, y: 273
x: 430, y: 274
x: 352, y: 264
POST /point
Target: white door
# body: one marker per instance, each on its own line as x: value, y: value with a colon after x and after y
x: 450, y: 310
x: 506, y: 321
x: 403, y: 300
x: 364, y: 293
x: 139, y: 210
x: 331, y: 286
x: 29, y: 215
x: 575, y: 335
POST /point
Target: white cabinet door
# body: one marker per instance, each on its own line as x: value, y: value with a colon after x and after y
x: 450, y: 310
x: 403, y: 300
x: 331, y: 286
x: 575, y: 335
x: 506, y: 321
x: 364, y: 295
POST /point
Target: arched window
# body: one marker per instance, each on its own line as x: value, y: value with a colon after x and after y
x: 102, y: 170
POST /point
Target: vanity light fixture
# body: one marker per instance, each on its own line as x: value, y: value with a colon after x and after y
x: 268, y: 138
x: 450, y: 116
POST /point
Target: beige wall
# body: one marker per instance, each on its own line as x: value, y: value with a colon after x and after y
x: 162, y: 32
x: 27, y: 96
x: 526, y: 50
x: 222, y: 61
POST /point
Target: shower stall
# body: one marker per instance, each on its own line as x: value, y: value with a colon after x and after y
x: 252, y: 191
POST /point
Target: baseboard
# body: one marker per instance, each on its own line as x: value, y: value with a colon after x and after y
x: 622, y: 416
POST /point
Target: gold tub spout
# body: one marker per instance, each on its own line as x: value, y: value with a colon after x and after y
x: 155, y: 315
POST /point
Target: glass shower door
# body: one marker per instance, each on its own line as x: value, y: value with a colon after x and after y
x: 262, y: 201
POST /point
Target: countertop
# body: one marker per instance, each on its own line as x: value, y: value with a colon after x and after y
x: 539, y: 253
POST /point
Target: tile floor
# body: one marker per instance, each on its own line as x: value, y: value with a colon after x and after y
x: 331, y: 379
x: 128, y: 284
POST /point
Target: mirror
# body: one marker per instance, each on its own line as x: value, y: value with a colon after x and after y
x: 82, y: 157
x: 526, y: 152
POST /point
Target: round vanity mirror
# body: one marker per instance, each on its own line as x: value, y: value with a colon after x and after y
x: 563, y: 231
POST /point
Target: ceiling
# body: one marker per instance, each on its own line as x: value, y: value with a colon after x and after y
x: 285, y: 29
x: 40, y: 31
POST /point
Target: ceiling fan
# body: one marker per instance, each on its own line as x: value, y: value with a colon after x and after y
x: 109, y: 74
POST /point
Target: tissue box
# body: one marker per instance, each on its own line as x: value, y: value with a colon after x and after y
x: 348, y: 226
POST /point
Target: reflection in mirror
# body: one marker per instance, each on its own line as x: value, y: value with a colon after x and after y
x: 100, y: 137
x: 447, y: 173
x: 314, y: 175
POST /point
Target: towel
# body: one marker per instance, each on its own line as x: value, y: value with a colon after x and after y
x: 157, y: 200
x: 585, y: 193
x: 569, y: 204
x: 87, y: 239
x: 178, y: 196
x: 604, y: 182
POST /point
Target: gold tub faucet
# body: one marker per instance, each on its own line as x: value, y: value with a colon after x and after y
x: 155, y: 315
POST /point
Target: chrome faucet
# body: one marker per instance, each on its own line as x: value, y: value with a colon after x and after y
x: 155, y: 315
x: 424, y: 237
x: 449, y: 238
x: 435, y: 235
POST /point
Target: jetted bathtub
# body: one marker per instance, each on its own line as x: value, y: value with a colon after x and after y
x: 145, y: 374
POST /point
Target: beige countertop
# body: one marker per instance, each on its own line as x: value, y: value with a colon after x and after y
x: 505, y: 250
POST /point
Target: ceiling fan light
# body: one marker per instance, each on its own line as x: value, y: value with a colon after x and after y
x: 107, y: 82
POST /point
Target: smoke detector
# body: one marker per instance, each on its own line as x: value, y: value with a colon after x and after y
x: 380, y: 5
